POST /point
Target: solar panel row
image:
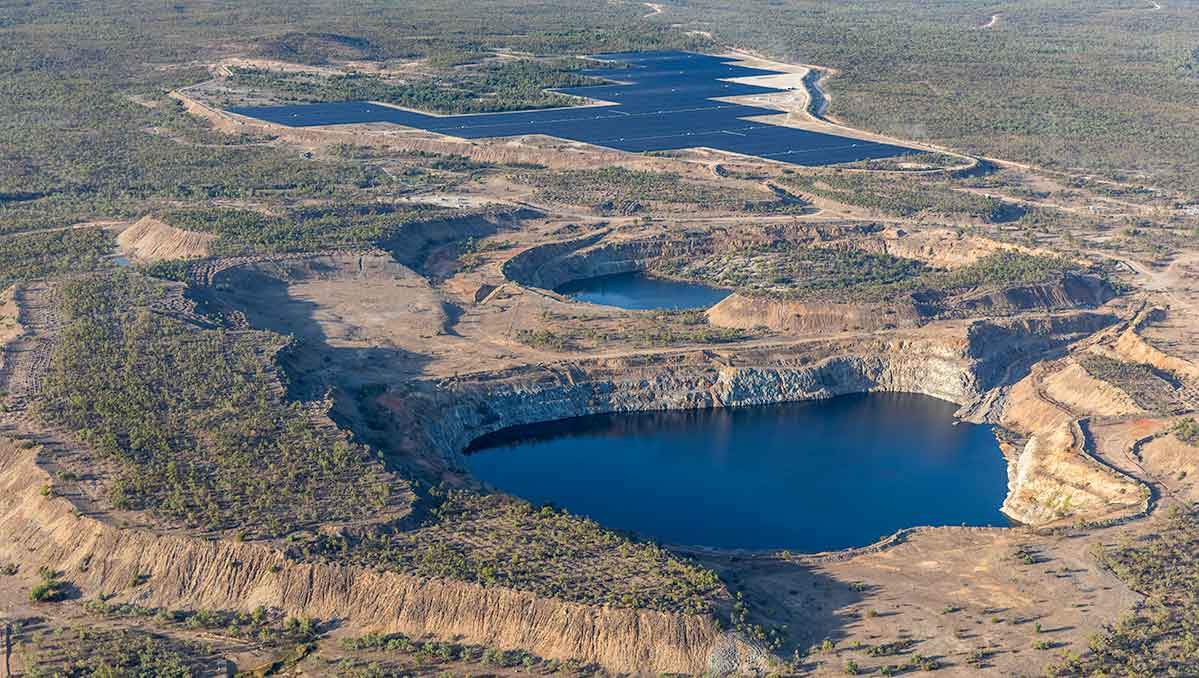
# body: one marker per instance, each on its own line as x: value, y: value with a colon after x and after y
x: 658, y: 101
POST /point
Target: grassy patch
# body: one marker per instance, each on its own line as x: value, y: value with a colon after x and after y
x: 1187, y: 430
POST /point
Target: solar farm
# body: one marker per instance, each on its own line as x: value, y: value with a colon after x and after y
x: 657, y: 101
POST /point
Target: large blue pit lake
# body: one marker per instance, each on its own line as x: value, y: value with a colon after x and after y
x: 641, y: 292
x: 811, y: 476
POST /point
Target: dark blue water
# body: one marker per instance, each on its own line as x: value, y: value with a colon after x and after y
x: 660, y: 101
x: 640, y: 292
x: 811, y: 476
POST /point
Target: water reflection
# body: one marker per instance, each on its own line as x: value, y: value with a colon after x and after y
x: 805, y: 476
x: 640, y: 292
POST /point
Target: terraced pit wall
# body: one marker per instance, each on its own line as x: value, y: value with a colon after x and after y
x: 955, y: 366
x: 180, y: 572
x: 554, y: 264
x: 551, y: 265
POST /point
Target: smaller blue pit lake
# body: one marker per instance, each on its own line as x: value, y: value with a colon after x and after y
x: 641, y: 292
x: 811, y: 476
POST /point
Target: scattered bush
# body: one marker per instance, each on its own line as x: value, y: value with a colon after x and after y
x: 1154, y: 640
x: 1151, y: 388
x: 497, y: 540
x: 98, y: 653
x: 194, y: 420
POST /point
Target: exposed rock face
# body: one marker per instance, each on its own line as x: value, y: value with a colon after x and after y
x: 412, y: 245
x: 1132, y: 346
x: 783, y: 315
x: 548, y: 266
x: 944, y: 248
x: 955, y: 367
x: 959, y: 367
x: 190, y: 572
x: 1077, y: 389
x: 1002, y: 349
x: 1072, y: 290
x: 1053, y: 479
x: 689, y: 382
x: 747, y: 312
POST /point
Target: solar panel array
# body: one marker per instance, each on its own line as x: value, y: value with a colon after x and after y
x: 659, y: 101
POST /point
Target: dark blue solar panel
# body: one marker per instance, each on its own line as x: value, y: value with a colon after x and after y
x: 659, y: 101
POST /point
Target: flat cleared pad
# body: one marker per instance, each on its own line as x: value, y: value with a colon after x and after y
x: 811, y: 476
x: 663, y: 101
x: 640, y: 292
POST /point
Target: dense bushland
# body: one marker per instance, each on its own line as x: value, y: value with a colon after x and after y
x: 491, y: 87
x: 616, y: 190
x: 299, y: 229
x: 901, y: 196
x: 1151, y: 388
x: 845, y: 274
x: 194, y: 422
x: 42, y: 255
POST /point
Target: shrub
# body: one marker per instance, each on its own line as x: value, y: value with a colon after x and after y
x: 1187, y: 430
x: 50, y: 589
